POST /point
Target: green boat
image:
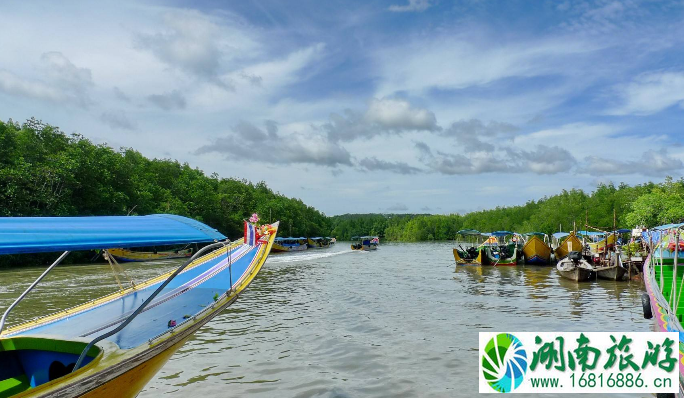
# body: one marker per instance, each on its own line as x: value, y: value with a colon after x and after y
x: 664, y: 281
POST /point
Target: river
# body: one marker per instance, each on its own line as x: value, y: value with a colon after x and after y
x: 399, y: 322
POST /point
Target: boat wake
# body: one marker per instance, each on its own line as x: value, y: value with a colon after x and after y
x: 295, y: 257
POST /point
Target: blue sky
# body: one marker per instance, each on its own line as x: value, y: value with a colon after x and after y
x: 369, y: 106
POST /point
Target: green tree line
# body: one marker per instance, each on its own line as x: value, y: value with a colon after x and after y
x: 45, y: 172
x: 646, y: 205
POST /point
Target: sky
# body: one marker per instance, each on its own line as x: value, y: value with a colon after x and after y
x: 398, y: 106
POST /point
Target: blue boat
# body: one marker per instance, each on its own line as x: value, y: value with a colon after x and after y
x: 113, y: 345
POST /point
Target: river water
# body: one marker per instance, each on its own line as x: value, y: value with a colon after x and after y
x: 402, y: 321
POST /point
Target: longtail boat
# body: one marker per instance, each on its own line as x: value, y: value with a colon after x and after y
x: 471, y: 254
x: 125, y: 255
x: 289, y: 244
x: 318, y: 243
x: 365, y: 243
x: 536, y: 250
x: 113, y: 345
x: 664, y: 283
x: 496, y: 250
x: 569, y: 242
x: 575, y: 267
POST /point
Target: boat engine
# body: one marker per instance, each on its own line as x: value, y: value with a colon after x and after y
x: 575, y: 256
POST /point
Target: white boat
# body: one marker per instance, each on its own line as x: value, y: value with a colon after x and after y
x: 575, y: 267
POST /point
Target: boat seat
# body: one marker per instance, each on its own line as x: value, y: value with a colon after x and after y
x: 29, y: 362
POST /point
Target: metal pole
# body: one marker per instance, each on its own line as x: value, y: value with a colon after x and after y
x: 674, y: 276
x: 4, y: 316
x: 143, y: 305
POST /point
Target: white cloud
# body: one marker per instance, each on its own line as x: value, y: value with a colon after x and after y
x: 117, y: 120
x: 277, y: 149
x: 650, y: 93
x: 197, y: 43
x: 652, y: 163
x: 383, y: 116
x: 548, y: 160
x: 413, y: 5
x: 374, y: 164
x: 470, y: 134
x: 458, y: 61
x: 15, y: 85
x: 168, y: 101
x: 60, y: 81
x: 396, y: 114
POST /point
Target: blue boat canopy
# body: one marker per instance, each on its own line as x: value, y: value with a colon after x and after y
x: 559, y: 235
x: 668, y: 226
x: 501, y: 233
x: 590, y: 233
x: 469, y: 232
x: 51, y: 234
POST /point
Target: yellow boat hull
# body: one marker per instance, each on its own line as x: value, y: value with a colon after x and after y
x: 133, y: 256
x: 571, y: 243
x: 536, y: 251
x: 460, y: 260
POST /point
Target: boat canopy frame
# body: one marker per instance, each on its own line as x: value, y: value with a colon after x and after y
x: 154, y: 294
x: 38, y: 228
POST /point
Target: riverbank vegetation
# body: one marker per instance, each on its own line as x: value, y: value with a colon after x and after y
x: 647, y: 205
x: 45, y: 172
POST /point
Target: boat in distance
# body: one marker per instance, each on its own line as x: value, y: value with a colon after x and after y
x: 289, y: 244
x: 318, y: 243
x: 125, y: 255
x: 365, y: 243
x: 113, y: 345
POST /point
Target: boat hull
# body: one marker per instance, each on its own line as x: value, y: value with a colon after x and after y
x: 487, y: 257
x: 288, y: 248
x: 461, y: 260
x: 312, y: 244
x: 577, y: 275
x: 130, y: 256
x: 570, y: 244
x: 364, y: 248
x: 613, y: 273
x: 577, y: 272
x: 536, y: 252
x: 664, y: 319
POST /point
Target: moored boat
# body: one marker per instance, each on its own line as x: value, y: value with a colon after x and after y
x: 568, y: 242
x: 536, y: 250
x: 125, y: 255
x: 498, y: 251
x: 471, y: 253
x: 289, y: 244
x: 611, y: 272
x: 664, y: 284
x: 574, y: 267
x: 112, y: 346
